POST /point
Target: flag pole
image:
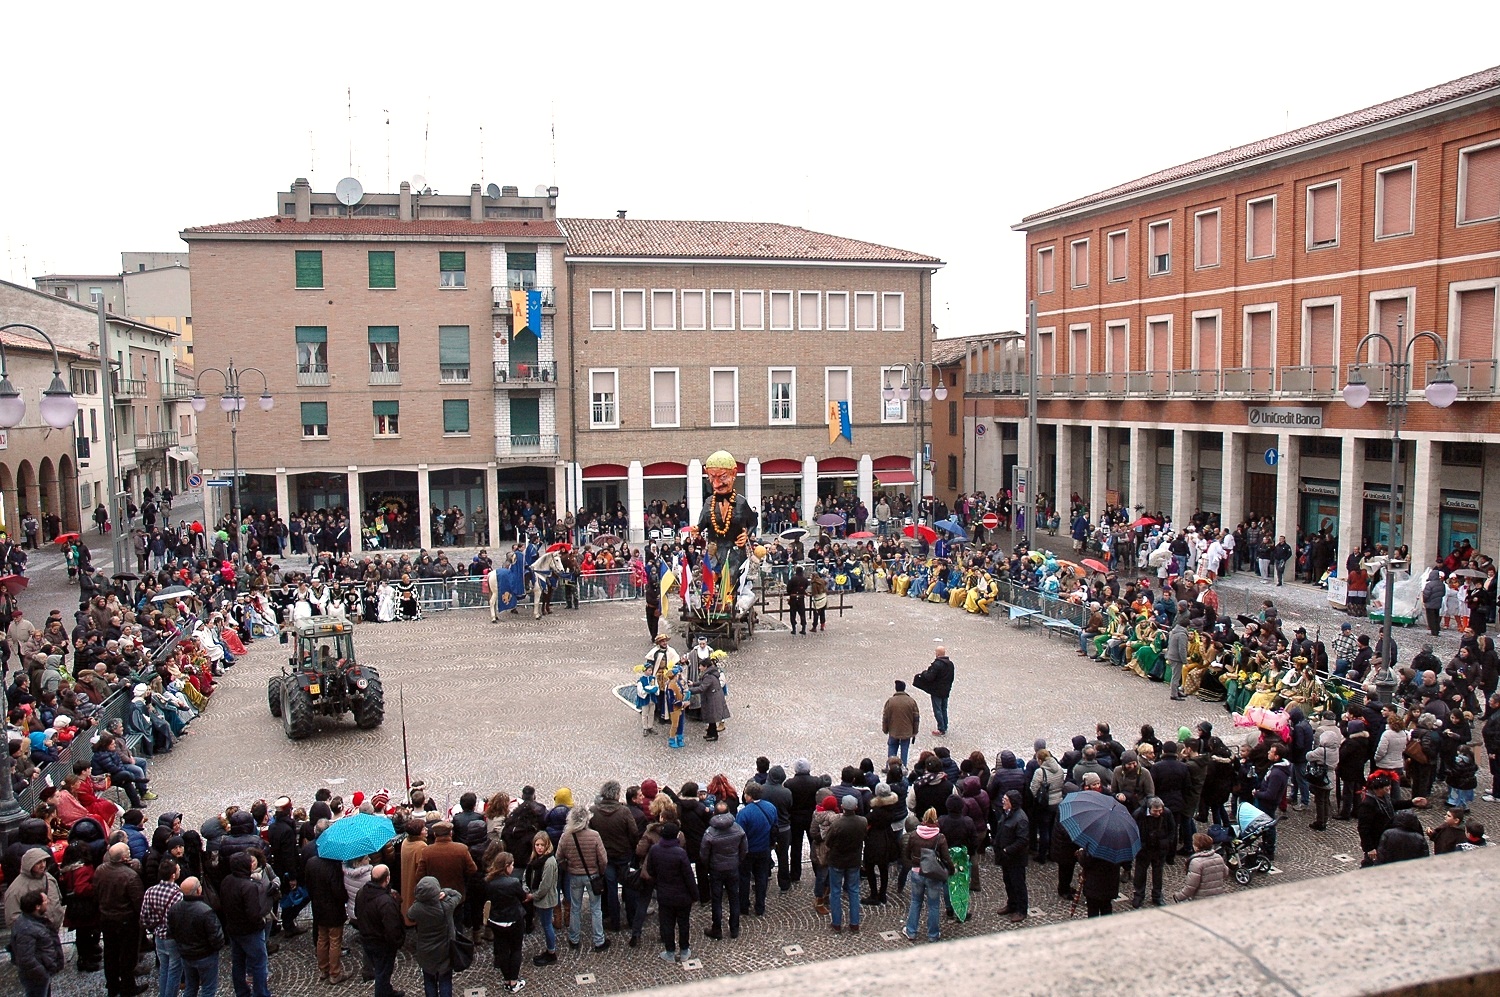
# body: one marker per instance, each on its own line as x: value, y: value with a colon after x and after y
x: 405, y: 754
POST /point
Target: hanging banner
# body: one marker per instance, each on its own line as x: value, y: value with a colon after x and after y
x: 534, y: 312
x: 517, y: 312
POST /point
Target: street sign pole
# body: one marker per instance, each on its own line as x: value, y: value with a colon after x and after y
x: 1033, y: 459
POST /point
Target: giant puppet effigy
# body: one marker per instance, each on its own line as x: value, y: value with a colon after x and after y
x: 726, y: 525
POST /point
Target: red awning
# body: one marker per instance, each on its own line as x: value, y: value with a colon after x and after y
x: 893, y: 478
x: 606, y: 471
x: 665, y: 469
x: 838, y: 465
x: 780, y: 465
x: 891, y: 463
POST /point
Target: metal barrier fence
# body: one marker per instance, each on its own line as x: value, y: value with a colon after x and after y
x: 1052, y: 608
x: 436, y: 595
x: 113, y: 708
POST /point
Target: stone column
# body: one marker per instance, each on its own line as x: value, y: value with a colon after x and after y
x: 1099, y: 462
x: 424, y: 505
x: 635, y: 502
x: 560, y: 491
x: 1351, y: 498
x: 867, y: 481
x: 356, y: 509
x: 1064, y: 468
x: 752, y: 487
x: 810, y: 486
x: 1184, y: 476
x: 492, y: 502
x: 1232, y: 467
x: 1420, y: 515
x: 1288, y: 477
x: 1142, y: 470
x: 283, y: 494
x: 695, y: 489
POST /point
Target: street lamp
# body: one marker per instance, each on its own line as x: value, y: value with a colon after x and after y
x: 232, y: 402
x: 1440, y: 393
x: 58, y: 406
x: 916, y: 372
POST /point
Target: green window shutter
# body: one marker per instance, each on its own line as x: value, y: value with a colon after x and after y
x: 525, y: 417
x: 312, y: 333
x: 452, y: 261
x: 387, y: 408
x: 385, y: 334
x: 520, y: 261
x: 453, y: 345
x: 382, y: 268
x: 455, y: 415
x: 314, y: 413
x: 309, y: 268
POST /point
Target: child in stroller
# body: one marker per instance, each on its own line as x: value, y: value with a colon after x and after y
x: 1243, y: 845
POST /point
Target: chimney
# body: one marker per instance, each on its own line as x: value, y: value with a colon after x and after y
x: 620, y: 213
x: 510, y: 191
x: 405, y: 201
x: 302, y: 192
x: 476, y: 203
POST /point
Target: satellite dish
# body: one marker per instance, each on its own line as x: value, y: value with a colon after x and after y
x: 418, y: 182
x: 541, y: 190
x: 492, y: 191
x: 349, y: 191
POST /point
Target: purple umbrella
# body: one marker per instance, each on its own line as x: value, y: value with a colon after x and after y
x: 830, y: 519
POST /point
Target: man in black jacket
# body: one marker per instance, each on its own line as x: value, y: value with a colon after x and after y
x: 325, y: 889
x: 282, y: 836
x: 35, y: 949
x: 195, y: 928
x: 1012, y: 854
x: 937, y: 682
x: 1158, y: 838
x: 377, y: 915
x: 804, y: 789
x: 242, y: 909
x: 1377, y: 814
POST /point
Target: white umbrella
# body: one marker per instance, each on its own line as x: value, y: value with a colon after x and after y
x: 174, y: 592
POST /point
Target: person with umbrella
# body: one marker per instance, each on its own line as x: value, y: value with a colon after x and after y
x: 1106, y: 835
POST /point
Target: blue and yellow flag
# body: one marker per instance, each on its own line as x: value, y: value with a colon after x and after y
x: 838, y: 422
x: 517, y: 312
x: 534, y: 312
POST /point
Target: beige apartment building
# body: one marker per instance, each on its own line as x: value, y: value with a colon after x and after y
x: 386, y: 333
x: 695, y: 336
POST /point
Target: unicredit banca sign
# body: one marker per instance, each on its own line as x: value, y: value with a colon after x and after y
x: 1281, y: 417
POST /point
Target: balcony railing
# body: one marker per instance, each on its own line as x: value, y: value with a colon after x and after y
x: 385, y: 373
x: 177, y: 391
x: 501, y: 294
x: 1376, y: 375
x: 1474, y: 378
x: 453, y: 373
x: 1147, y: 383
x: 1195, y: 383
x: 156, y: 441
x: 526, y: 445
x: 1257, y: 382
x: 1110, y: 384
x: 1000, y: 382
x: 313, y: 374
x: 725, y: 414
x: 1063, y: 385
x: 528, y: 374
x: 129, y: 387
x: 664, y: 414
x: 1316, y: 381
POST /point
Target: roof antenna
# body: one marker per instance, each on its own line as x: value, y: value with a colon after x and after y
x: 481, y: 153
x: 554, y: 143
x: 426, y: 134
x: 312, y: 154
x: 387, y: 148
x: 349, y: 105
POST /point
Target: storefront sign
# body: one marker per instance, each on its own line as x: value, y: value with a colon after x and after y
x: 1463, y: 502
x: 1283, y: 417
x: 1382, y: 494
x: 4, y: 439
x: 1308, y: 488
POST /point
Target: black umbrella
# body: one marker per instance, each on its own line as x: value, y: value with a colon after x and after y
x: 125, y: 576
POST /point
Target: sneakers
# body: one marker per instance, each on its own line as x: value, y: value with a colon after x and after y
x: 908, y: 937
x: 602, y: 948
x: 1487, y: 798
x: 667, y: 955
x: 515, y: 987
x: 685, y: 955
x: 544, y: 959
x: 148, y: 795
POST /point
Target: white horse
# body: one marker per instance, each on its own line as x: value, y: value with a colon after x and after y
x: 543, y: 571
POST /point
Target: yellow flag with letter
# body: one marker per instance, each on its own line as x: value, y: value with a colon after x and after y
x: 517, y: 312
x: 834, y: 426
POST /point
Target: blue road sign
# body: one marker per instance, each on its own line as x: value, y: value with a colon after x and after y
x: 218, y: 483
x: 1272, y: 457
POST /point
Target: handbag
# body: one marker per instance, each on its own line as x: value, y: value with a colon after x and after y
x: 1415, y: 751
x: 932, y: 867
x: 460, y: 952
x: 596, y: 879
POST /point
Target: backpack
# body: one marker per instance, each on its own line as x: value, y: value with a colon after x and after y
x: 1317, y: 773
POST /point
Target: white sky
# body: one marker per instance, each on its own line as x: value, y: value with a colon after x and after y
x: 931, y: 127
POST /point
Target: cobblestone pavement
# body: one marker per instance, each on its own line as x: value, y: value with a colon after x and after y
x: 492, y: 706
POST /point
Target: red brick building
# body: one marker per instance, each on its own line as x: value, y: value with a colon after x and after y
x: 1192, y: 320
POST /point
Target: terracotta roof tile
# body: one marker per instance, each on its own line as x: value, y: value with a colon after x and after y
x: 321, y: 226
x: 951, y: 349
x: 723, y: 240
x: 1387, y: 111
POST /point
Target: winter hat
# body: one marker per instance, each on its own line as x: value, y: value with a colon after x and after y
x: 141, y: 691
x: 1079, y: 741
x: 381, y: 800
x: 1169, y: 749
x: 1356, y: 726
x: 1008, y: 759
x: 1183, y: 734
x: 955, y: 805
x: 670, y: 830
x: 357, y: 799
x: 563, y: 798
x: 802, y: 766
x: 1039, y: 744
x: 850, y: 802
x: 649, y: 790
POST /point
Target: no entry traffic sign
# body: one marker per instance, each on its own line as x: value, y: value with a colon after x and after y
x: 990, y: 520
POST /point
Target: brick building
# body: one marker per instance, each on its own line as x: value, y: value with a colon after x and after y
x: 373, y: 324
x: 1178, y: 311
x: 691, y: 336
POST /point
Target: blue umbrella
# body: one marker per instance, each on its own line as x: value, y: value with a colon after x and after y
x: 1099, y: 825
x: 953, y: 526
x: 355, y: 837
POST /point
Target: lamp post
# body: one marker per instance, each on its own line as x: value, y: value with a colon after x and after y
x: 58, y: 407
x: 915, y: 372
x: 232, y: 401
x: 1440, y: 393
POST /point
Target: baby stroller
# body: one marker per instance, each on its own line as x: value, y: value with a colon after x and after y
x: 1243, y: 846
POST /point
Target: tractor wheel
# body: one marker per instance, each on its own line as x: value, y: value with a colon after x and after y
x: 273, y: 694
x: 296, y: 710
x: 370, y: 711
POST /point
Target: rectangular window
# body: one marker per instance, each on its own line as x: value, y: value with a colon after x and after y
x: 1260, y: 339
x: 455, y: 417
x: 309, y: 268
x: 664, y: 398
x: 1205, y: 342
x: 1117, y: 348
x: 382, y: 268
x: 663, y: 310
x: 781, y: 310
x: 633, y: 310
x: 893, y: 409
x: 1046, y: 350
x: 1320, y: 349
x: 1260, y: 228
x: 385, y: 350
x: 1119, y: 255
x: 387, y: 418
x: 1161, y: 247
x: 693, y: 310
x: 724, y: 396
x: 601, y: 309
x: 864, y: 311
x: 1080, y: 262
x: 838, y: 310
x: 314, y: 420
x: 953, y: 471
x: 603, y: 413
x: 752, y: 310
x: 721, y: 303
x: 1323, y: 216
x: 1044, y: 270
x: 312, y: 349
x: 1395, y: 200
x: 1479, y: 183
x: 1078, y: 350
x: 953, y: 418
x: 1159, y: 344
x: 453, y: 269
x: 783, y: 396
x: 1206, y: 239
x: 520, y: 270
x: 809, y: 310
x: 453, y: 353
x: 893, y: 311
x: 837, y: 388
x: 1474, y: 331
